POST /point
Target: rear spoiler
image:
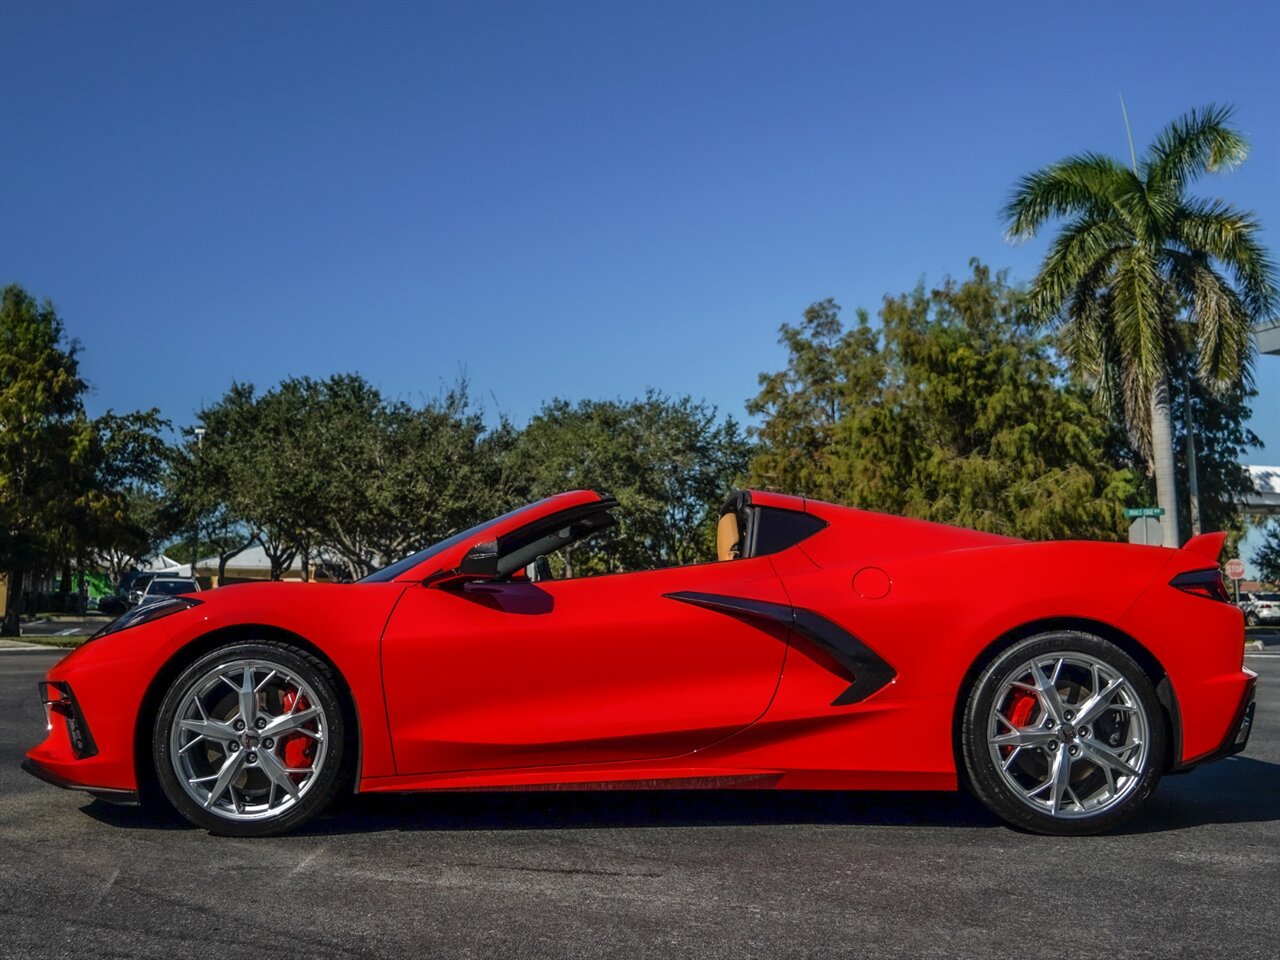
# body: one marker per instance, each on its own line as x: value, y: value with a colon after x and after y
x: 1207, y: 545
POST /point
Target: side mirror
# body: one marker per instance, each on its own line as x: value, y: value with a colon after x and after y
x: 479, y: 563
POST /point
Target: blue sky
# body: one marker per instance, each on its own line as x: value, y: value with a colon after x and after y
x: 578, y: 200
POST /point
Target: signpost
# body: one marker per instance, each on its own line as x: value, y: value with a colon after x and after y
x: 1146, y: 531
x: 1146, y: 528
x: 1235, y: 571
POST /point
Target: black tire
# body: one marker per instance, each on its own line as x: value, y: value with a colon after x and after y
x: 1251, y: 619
x: 327, y: 782
x: 1002, y: 797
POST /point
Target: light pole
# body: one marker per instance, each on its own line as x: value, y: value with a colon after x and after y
x: 195, y: 529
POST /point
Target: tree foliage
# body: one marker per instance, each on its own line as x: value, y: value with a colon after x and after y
x: 334, y: 472
x: 953, y: 411
x: 67, y: 482
x: 1267, y: 556
x: 670, y: 462
x: 331, y: 471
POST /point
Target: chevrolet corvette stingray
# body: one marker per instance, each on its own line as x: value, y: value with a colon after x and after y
x: 825, y: 648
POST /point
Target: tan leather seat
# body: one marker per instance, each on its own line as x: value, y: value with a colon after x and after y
x: 727, y: 537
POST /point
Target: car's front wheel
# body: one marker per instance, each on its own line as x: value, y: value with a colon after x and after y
x: 1063, y: 734
x: 249, y: 739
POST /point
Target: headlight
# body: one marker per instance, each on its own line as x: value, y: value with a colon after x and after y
x: 147, y: 613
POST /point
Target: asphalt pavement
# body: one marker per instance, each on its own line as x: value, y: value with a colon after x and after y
x: 688, y: 874
x: 64, y: 626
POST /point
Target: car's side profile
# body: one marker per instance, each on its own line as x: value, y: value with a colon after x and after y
x: 824, y: 648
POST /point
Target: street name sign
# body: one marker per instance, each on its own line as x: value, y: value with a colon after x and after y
x: 1132, y: 512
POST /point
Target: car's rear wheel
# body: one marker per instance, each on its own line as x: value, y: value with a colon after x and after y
x: 1063, y: 734
x: 249, y: 739
x: 1251, y: 618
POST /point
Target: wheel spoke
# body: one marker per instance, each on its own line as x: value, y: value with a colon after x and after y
x: 1059, y: 780
x: 1097, y: 704
x: 213, y: 729
x: 1024, y: 737
x: 275, y: 770
x: 230, y: 767
x: 1046, y: 690
x: 1107, y: 758
x: 1013, y: 755
x: 248, y: 697
x: 290, y: 722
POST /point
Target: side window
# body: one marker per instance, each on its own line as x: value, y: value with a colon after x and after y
x: 772, y: 530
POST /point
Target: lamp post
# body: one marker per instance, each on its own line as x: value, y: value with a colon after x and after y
x: 195, y: 530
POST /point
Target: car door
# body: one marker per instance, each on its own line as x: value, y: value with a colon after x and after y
x: 594, y: 670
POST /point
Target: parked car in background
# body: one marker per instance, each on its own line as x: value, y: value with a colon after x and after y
x: 1261, y: 609
x: 133, y: 587
x: 162, y: 588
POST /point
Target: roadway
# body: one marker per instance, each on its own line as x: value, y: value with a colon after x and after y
x: 705, y: 875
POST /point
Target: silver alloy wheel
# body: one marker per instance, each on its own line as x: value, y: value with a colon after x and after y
x: 1069, y: 735
x: 234, y: 733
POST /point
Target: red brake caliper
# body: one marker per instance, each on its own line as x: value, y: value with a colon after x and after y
x: 1020, y: 711
x: 297, y: 748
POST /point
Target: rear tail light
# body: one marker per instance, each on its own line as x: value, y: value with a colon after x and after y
x: 1202, y: 583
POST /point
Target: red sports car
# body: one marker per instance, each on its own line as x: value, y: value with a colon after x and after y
x: 828, y: 648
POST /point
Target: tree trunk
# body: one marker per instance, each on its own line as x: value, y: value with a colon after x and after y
x: 13, y: 606
x: 1162, y: 460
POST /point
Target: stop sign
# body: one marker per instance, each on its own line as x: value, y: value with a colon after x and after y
x: 1235, y: 569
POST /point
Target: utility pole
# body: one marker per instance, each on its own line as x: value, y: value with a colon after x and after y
x: 1192, y: 484
x: 195, y: 530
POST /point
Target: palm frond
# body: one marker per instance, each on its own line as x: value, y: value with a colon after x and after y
x: 1085, y: 184
x: 1196, y: 143
x: 1224, y: 349
x: 1231, y: 237
x: 1085, y: 248
x: 1139, y: 315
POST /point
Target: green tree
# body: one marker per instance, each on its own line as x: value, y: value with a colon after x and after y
x: 670, y: 462
x: 42, y: 436
x: 1267, y: 557
x: 330, y: 471
x: 830, y: 372
x: 119, y: 519
x: 400, y: 476
x: 1138, y: 258
x: 66, y: 480
x: 206, y: 477
x: 954, y: 411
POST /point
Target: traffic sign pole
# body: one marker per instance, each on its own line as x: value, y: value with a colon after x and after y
x: 1235, y: 570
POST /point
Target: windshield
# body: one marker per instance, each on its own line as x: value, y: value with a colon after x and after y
x: 408, y: 563
x: 166, y: 587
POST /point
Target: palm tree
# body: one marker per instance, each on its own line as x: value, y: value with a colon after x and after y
x: 1140, y: 269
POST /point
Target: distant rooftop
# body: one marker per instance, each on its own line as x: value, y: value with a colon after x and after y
x: 1268, y: 336
x: 1266, y: 500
